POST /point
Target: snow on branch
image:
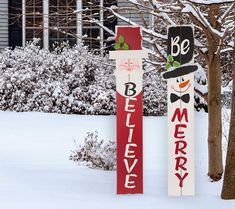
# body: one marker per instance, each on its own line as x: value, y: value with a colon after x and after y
x: 134, y: 2
x: 158, y: 48
x: 231, y: 8
x: 101, y: 25
x: 154, y: 11
x: 230, y: 49
x: 190, y: 8
x: 165, y: 7
x: 127, y: 20
x: 209, y: 2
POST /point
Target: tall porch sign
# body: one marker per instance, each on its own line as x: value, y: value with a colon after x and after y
x: 180, y: 81
x: 128, y: 56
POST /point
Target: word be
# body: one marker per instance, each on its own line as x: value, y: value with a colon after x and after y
x: 181, y: 48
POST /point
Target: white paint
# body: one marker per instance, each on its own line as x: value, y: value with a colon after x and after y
x: 131, y: 130
x: 182, y: 48
x: 128, y: 183
x: 128, y: 105
x: 128, y: 118
x: 130, y: 153
x: 128, y: 167
x: 131, y: 54
x: 173, y: 181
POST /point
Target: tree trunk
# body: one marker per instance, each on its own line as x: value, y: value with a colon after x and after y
x: 214, y: 99
x: 228, y: 191
x: 214, y: 119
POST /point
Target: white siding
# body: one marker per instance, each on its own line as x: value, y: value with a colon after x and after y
x: 132, y: 14
x: 3, y: 23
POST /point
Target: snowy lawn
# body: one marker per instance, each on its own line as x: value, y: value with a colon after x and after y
x: 35, y: 171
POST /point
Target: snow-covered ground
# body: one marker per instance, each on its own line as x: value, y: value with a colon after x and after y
x: 35, y: 171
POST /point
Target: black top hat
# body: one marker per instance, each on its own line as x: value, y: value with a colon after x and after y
x: 183, y: 70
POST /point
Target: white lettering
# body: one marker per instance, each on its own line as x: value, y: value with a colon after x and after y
x: 128, y: 168
x: 127, y: 105
x: 128, y: 183
x: 130, y: 153
x: 185, y: 47
x: 128, y: 117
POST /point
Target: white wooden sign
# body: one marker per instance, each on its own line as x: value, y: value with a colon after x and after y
x: 180, y: 82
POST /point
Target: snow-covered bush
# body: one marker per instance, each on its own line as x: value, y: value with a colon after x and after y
x: 66, y: 80
x: 155, y: 92
x: 95, y: 153
x: 70, y: 80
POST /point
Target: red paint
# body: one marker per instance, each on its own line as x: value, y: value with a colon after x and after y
x: 129, y: 127
x: 180, y: 147
x: 129, y: 145
x: 180, y: 163
x: 178, y: 133
x: 181, y: 178
x: 180, y: 115
x: 132, y: 36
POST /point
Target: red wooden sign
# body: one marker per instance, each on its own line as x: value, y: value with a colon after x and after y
x: 129, y: 55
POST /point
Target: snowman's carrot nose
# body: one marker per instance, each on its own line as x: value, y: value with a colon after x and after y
x: 185, y: 83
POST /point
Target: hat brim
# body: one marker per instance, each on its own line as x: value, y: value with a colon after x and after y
x: 184, y: 70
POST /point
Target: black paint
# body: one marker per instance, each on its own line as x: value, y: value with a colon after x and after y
x: 130, y: 89
x: 184, y: 32
x: 184, y: 70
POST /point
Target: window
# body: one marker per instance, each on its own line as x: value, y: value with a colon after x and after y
x: 54, y: 21
x: 15, y: 23
x: 90, y: 30
x: 62, y: 21
x: 94, y: 36
x: 110, y: 22
x: 34, y: 20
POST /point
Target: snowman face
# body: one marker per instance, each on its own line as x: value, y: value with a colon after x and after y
x: 129, y: 65
x: 181, y: 84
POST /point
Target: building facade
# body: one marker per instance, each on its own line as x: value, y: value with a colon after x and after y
x: 54, y: 21
x: 4, y: 23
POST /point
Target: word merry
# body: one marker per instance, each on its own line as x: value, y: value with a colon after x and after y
x: 180, y: 145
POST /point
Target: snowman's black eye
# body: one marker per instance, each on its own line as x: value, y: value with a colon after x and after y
x: 177, y: 80
x: 182, y: 79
